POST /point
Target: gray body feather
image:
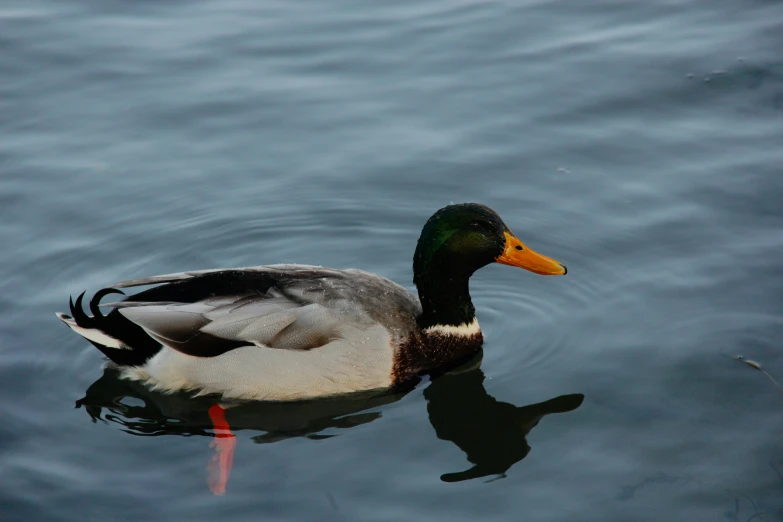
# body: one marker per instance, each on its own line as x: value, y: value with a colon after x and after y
x: 282, y: 332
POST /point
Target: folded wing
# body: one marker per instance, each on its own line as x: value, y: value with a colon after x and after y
x: 209, y: 328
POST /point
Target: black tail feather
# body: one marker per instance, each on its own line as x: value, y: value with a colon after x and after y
x: 77, y: 311
x: 140, y: 346
x: 96, y: 300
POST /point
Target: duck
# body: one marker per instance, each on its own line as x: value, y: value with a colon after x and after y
x: 292, y: 332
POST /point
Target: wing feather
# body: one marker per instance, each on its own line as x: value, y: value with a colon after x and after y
x: 166, y: 278
x: 167, y: 322
x: 293, y: 307
x: 271, y: 323
x: 179, y: 276
x: 258, y: 330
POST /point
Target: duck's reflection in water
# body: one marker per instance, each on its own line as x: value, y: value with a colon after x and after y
x: 491, y: 433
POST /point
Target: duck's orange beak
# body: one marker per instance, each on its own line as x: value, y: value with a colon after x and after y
x: 517, y: 254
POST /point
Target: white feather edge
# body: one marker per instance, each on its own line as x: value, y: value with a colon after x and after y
x: 93, y: 334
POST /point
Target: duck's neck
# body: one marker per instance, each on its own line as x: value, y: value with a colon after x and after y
x: 445, y: 301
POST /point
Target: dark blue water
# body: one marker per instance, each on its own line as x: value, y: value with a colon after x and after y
x: 639, y: 143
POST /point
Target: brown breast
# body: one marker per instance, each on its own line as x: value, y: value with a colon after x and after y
x: 425, y: 351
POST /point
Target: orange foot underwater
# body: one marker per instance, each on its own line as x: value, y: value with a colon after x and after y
x: 219, y: 467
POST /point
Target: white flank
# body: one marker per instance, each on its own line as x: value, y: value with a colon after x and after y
x: 464, y: 329
x: 362, y: 362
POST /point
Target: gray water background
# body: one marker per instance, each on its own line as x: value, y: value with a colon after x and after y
x: 640, y: 143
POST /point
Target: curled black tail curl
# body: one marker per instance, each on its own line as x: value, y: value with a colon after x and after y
x: 135, y: 346
x: 96, y: 300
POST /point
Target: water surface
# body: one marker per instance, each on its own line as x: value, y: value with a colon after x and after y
x: 639, y: 143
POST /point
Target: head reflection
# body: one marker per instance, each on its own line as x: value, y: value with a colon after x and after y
x: 491, y: 433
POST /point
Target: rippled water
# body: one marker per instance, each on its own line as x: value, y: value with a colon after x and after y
x: 639, y: 143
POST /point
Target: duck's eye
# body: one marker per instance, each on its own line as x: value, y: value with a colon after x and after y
x: 518, y: 247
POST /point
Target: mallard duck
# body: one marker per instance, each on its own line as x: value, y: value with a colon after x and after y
x: 291, y: 332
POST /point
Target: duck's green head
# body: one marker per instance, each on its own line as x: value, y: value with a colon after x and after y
x: 455, y: 242
x: 462, y: 238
